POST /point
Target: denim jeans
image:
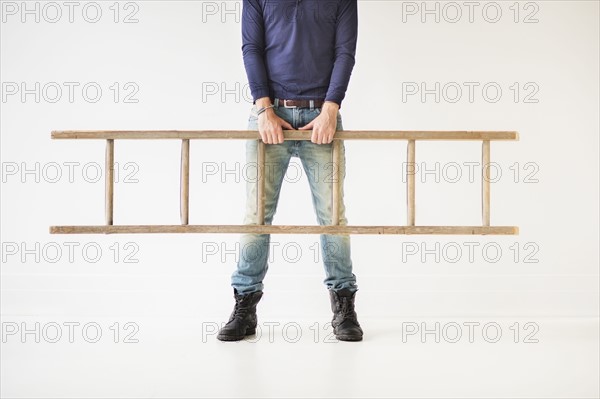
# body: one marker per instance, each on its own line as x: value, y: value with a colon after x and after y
x: 317, y: 164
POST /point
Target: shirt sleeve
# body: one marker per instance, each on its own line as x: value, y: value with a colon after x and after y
x: 345, y: 49
x: 253, y: 48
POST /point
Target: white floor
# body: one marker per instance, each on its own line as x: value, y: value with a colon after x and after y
x: 182, y: 358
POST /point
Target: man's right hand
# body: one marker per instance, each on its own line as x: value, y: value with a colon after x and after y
x: 270, y: 126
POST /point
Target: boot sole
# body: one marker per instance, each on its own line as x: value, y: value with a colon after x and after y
x: 230, y: 338
x: 348, y: 338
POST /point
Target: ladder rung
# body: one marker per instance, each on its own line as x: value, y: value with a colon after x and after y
x: 274, y: 229
x: 288, y: 134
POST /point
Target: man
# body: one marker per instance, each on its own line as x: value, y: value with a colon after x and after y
x: 298, y: 55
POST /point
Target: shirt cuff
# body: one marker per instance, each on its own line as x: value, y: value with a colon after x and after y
x: 260, y: 93
x: 335, y: 99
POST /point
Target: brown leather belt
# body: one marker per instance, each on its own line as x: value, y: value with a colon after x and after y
x: 299, y: 103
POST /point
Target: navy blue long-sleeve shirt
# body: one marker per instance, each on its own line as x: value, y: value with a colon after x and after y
x: 299, y: 49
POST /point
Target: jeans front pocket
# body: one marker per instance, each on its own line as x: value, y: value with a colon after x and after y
x: 340, y: 126
x: 253, y: 119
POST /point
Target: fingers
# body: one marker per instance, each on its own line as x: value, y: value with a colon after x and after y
x: 319, y: 134
x: 286, y: 124
x: 278, y: 137
x: 314, y: 137
x: 268, y: 136
x: 322, y: 129
x: 263, y: 136
x: 275, y: 135
x: 329, y: 137
x: 322, y: 135
x: 271, y: 132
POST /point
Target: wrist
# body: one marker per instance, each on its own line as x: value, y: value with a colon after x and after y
x: 263, y: 102
x: 330, y: 106
x: 264, y: 110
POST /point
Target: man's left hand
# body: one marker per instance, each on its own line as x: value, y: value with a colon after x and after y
x: 324, y: 126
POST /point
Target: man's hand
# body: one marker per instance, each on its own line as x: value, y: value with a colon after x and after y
x: 323, y: 126
x: 269, y: 124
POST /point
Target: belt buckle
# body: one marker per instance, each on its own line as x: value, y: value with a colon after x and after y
x: 288, y: 106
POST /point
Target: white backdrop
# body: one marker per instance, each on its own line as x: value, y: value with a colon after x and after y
x: 183, y: 66
x: 525, y: 66
x: 178, y: 65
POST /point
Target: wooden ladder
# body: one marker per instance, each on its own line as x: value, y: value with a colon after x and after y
x: 335, y: 228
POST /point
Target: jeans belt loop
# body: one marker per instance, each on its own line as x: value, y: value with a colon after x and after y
x: 288, y: 106
x: 312, y: 104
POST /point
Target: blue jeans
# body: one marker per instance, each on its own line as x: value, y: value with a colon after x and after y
x: 317, y: 164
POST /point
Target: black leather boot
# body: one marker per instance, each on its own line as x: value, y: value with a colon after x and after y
x: 243, y: 320
x: 345, y: 324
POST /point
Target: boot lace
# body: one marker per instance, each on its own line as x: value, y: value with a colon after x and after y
x: 347, y: 308
x: 239, y: 311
